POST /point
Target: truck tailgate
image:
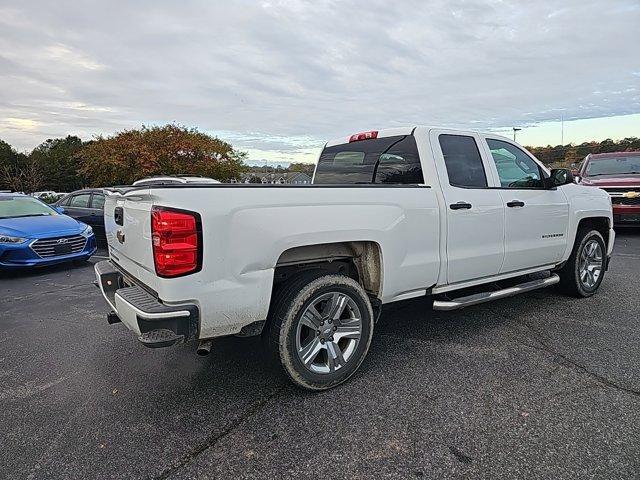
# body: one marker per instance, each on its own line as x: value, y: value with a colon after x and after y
x: 127, y: 220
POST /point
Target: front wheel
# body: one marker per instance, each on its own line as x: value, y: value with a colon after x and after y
x: 583, y: 273
x: 320, y: 329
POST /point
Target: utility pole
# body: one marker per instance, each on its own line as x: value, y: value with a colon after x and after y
x: 561, y: 129
x: 515, y: 129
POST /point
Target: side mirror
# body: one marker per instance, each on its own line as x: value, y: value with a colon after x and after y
x: 60, y: 210
x: 560, y: 176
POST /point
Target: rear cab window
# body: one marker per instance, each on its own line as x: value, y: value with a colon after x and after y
x: 387, y: 160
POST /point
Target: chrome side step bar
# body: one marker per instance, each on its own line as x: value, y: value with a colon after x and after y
x: 477, y: 298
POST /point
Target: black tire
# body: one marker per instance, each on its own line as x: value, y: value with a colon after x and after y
x: 283, y: 328
x: 570, y: 279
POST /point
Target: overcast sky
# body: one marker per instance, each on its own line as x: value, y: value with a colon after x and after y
x: 278, y: 78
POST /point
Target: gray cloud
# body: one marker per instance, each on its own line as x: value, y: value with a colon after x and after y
x: 284, y: 75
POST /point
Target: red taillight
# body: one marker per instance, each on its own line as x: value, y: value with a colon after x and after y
x: 363, y: 136
x: 176, y: 242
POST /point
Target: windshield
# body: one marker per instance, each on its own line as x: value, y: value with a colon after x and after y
x: 19, y: 206
x: 614, y: 166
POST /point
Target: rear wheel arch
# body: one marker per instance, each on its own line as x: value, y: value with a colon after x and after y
x: 360, y: 260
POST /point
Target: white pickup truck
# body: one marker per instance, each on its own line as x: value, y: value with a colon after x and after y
x: 393, y: 214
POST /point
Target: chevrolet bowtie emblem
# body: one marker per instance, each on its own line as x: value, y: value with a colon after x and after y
x: 631, y: 195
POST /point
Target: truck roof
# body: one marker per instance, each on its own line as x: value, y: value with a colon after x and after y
x: 390, y: 132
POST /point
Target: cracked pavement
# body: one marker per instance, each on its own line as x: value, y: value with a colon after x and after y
x: 534, y: 386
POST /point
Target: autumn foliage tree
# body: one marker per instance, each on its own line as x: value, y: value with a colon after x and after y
x: 565, y: 155
x: 56, y: 160
x: 168, y: 150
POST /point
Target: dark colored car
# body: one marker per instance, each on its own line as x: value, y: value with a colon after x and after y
x: 86, y: 206
x: 618, y: 174
x: 33, y: 234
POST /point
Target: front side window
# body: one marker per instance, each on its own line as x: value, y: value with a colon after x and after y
x: 463, y: 161
x: 81, y: 200
x: 515, y: 168
x: 389, y: 160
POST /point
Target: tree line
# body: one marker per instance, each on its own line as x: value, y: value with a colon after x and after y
x: 566, y: 155
x: 67, y: 164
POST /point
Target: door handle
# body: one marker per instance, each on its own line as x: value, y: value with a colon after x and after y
x: 460, y: 206
x: 118, y: 216
x: 515, y: 203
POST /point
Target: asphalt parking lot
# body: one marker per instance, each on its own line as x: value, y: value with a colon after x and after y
x: 536, y: 386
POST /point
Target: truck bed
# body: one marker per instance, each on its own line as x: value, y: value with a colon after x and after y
x: 246, y: 228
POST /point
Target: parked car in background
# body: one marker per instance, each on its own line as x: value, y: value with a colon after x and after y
x: 52, y: 198
x: 45, y: 193
x: 619, y: 175
x: 173, y: 180
x: 86, y: 206
x: 33, y: 233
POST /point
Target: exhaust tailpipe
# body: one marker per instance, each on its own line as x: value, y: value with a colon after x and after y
x: 204, y: 348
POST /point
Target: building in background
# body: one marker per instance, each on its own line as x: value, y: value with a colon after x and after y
x: 275, y: 178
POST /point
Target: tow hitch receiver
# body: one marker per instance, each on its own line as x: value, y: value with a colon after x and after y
x: 112, y: 317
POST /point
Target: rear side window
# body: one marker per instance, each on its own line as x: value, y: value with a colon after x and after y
x: 389, y: 160
x: 463, y: 161
x: 81, y: 200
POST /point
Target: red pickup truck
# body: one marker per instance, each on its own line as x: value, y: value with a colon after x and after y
x: 619, y: 175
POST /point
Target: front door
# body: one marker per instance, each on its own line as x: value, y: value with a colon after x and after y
x: 536, y: 218
x: 475, y: 215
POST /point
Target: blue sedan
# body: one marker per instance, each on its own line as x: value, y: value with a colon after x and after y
x: 33, y: 234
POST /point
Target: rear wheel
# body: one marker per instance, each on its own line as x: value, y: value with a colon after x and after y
x: 583, y: 273
x: 320, y: 329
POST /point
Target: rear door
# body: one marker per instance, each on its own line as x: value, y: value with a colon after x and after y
x: 97, y: 212
x: 78, y: 207
x: 474, y: 212
x: 536, y: 218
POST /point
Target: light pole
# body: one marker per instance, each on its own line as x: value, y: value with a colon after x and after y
x: 515, y: 129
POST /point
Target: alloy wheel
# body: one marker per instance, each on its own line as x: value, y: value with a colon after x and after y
x: 590, y: 264
x: 328, y: 332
